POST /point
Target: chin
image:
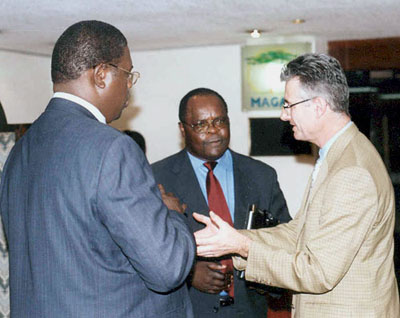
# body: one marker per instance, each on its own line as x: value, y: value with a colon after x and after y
x: 214, y: 156
x: 299, y: 137
x: 118, y: 116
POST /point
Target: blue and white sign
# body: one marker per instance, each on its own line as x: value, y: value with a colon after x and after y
x: 261, y: 68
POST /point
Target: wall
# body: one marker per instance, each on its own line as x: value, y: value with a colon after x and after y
x: 382, y: 53
x: 25, y: 86
x: 167, y: 75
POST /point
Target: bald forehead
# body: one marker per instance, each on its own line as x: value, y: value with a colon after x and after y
x: 205, y: 100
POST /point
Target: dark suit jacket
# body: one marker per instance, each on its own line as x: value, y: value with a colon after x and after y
x: 88, y: 233
x: 254, y: 183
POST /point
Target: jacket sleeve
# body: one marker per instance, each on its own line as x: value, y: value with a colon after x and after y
x: 347, y: 215
x: 282, y: 236
x: 157, y: 242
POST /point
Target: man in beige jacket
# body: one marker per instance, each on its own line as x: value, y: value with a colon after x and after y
x: 337, y: 254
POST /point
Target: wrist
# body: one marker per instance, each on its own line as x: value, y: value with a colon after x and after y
x: 244, y: 246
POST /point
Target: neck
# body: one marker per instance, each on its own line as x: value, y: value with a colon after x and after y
x: 73, y: 87
x: 332, y: 125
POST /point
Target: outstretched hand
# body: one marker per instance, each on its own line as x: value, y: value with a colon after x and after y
x: 219, y: 238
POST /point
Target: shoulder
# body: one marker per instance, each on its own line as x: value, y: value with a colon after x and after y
x: 251, y: 165
x: 107, y: 143
x: 104, y: 135
x: 168, y: 161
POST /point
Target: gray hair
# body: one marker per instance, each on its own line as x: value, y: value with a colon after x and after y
x: 320, y: 75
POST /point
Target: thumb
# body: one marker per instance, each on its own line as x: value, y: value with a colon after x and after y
x: 161, y: 188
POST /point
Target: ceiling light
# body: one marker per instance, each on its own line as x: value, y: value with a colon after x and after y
x: 255, y: 34
x: 298, y: 21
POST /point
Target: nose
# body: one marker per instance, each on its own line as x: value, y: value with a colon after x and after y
x: 285, y: 115
x: 211, y: 129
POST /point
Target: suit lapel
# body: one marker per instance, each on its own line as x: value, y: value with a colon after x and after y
x: 303, y: 208
x: 333, y: 155
x: 187, y: 186
x: 241, y: 190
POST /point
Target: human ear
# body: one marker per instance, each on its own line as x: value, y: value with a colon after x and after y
x: 182, y: 129
x: 321, y: 106
x: 99, y: 75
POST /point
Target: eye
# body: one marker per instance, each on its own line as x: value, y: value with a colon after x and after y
x: 219, y: 121
x: 201, y: 124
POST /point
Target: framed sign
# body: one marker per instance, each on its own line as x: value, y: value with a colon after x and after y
x: 261, y: 68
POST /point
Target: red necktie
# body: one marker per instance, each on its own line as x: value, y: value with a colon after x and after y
x: 217, y: 204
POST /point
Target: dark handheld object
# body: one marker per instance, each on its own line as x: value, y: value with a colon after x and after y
x: 258, y: 219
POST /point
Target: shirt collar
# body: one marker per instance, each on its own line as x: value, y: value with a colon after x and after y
x: 90, y: 107
x: 324, y: 150
x: 224, y: 162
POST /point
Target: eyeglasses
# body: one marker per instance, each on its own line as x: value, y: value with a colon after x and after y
x: 286, y: 106
x: 132, y: 76
x: 203, y: 126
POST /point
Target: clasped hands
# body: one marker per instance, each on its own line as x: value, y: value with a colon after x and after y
x: 211, y: 277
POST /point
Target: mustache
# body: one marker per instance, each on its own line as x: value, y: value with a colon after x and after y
x: 214, y: 141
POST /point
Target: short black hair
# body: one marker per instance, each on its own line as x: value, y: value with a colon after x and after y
x: 84, y: 45
x: 138, y: 138
x: 201, y: 91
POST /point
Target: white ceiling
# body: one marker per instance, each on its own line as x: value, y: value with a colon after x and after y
x: 34, y: 25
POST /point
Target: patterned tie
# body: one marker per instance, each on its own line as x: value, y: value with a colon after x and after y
x: 217, y: 204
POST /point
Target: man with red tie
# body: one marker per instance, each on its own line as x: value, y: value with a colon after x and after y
x: 207, y: 175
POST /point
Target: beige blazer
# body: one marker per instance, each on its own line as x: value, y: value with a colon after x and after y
x: 337, y: 253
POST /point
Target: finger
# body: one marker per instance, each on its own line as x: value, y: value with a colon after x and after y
x: 216, y: 267
x: 215, y: 274
x: 215, y: 290
x: 200, y: 236
x: 161, y: 188
x: 204, y: 238
x: 206, y: 251
x: 218, y: 280
x: 217, y: 220
x: 201, y: 218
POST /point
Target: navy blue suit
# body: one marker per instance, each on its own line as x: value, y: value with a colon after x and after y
x: 254, y: 183
x: 88, y: 233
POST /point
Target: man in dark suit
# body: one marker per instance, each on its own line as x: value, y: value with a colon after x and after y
x: 88, y: 233
x: 204, y: 124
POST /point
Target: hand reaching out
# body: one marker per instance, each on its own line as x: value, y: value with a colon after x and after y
x: 219, y: 238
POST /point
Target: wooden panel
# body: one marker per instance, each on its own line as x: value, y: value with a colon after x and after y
x: 371, y: 54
